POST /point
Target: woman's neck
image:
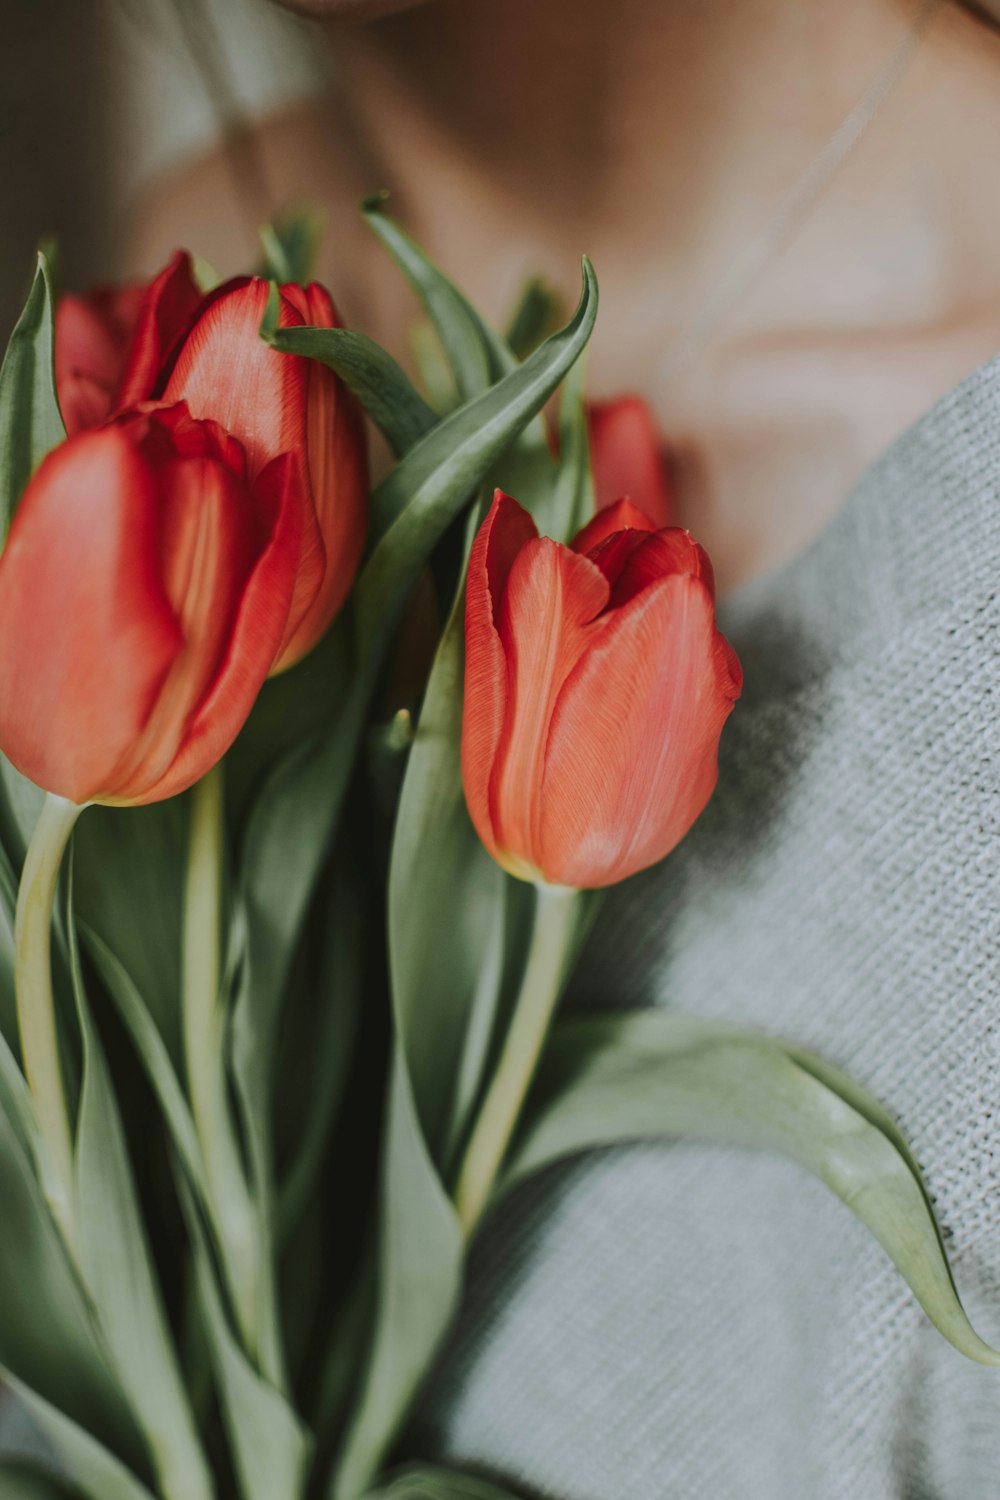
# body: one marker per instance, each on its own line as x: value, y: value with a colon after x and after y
x: 652, y: 133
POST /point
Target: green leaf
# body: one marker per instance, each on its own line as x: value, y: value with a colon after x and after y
x: 30, y: 422
x: 271, y: 1448
x: 433, y: 370
x: 571, y: 502
x: 8, y: 1003
x: 96, y: 1472
x: 437, y: 477
x: 153, y: 1055
x: 630, y: 1077
x: 291, y: 244
x: 256, y: 1414
x: 117, y: 1265
x: 445, y: 957
x: 425, y: 1483
x: 129, y: 881
x: 20, y: 806
x: 445, y: 967
x: 398, y: 410
x: 477, y: 356
x: 421, y: 1254
x: 18, y: 1483
x: 334, y: 1009
x: 294, y: 820
x: 533, y: 319
x: 48, y: 1340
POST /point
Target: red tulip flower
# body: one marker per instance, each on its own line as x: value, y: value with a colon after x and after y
x: 144, y: 596
x: 626, y: 457
x: 167, y: 341
x: 111, y: 345
x: 596, y: 688
x: 282, y: 403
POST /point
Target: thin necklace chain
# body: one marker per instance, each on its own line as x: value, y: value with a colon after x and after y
x: 796, y: 205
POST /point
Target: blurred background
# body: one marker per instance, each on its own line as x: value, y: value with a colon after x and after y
x: 99, y: 100
x: 53, y: 140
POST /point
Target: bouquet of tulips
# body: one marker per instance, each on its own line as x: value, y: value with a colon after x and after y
x: 308, y: 792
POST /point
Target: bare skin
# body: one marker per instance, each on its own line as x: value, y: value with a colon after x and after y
x: 659, y: 135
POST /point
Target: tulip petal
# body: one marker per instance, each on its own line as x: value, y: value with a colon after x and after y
x: 207, y: 555
x: 632, y: 563
x: 90, y: 341
x: 627, y: 457
x: 226, y: 372
x: 632, y: 752
x: 338, y: 475
x: 622, y: 516
x: 256, y: 636
x: 89, y: 633
x: 546, y: 622
x: 507, y: 528
x: 164, y: 312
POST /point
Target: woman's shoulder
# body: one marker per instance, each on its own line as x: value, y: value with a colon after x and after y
x: 912, y: 552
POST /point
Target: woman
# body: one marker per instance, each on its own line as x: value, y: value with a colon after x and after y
x: 794, y: 210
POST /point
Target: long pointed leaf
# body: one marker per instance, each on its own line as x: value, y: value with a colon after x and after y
x: 295, y: 819
x: 421, y: 1253
x: 476, y: 354
x: 30, y: 421
x: 271, y: 1448
x: 47, y: 1336
x: 154, y: 1057
x: 621, y: 1078
x: 398, y: 410
x: 117, y: 1264
x: 431, y: 484
x: 96, y: 1472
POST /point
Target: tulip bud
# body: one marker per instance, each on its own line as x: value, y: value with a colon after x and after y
x: 144, y: 593
x: 626, y: 457
x: 596, y: 689
x: 277, y: 403
x: 110, y: 345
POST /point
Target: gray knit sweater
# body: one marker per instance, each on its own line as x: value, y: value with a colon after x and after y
x: 680, y: 1322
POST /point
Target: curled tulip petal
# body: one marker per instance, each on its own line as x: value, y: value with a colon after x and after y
x: 621, y: 516
x: 166, y: 307
x: 208, y: 546
x: 337, y: 454
x: 91, y: 344
x: 627, y: 457
x: 256, y: 633
x: 551, y: 598
x: 596, y: 688
x: 504, y: 532
x: 631, y: 561
x: 225, y: 372
x: 277, y: 403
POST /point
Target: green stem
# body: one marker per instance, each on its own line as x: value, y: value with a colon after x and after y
x: 552, y: 942
x: 36, y: 1016
x: 204, y: 1026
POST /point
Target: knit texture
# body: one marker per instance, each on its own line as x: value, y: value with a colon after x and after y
x: 697, y: 1323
